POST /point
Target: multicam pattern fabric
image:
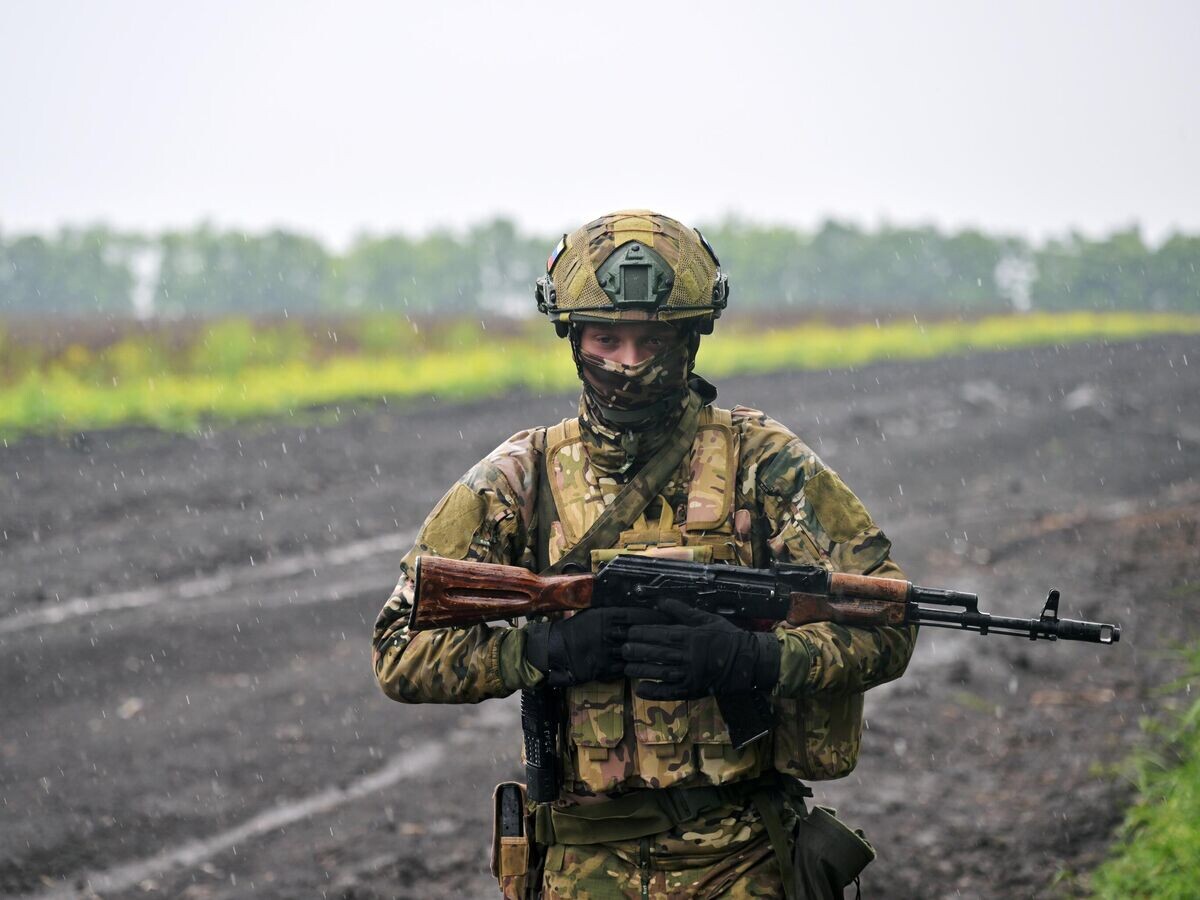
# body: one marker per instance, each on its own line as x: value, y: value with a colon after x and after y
x: 490, y: 516
x: 628, y: 387
x: 617, y: 453
x: 485, y: 517
x: 787, y: 506
x: 580, y: 295
x: 712, y: 473
x: 723, y: 854
x: 652, y: 383
x: 694, y: 517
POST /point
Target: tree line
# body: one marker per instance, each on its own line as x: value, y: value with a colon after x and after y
x: 490, y: 268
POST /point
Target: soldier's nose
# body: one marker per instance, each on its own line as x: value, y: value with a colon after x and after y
x: 632, y: 355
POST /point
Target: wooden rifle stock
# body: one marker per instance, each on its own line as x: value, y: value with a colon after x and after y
x: 458, y: 593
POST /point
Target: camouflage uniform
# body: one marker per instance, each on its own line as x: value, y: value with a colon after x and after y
x: 749, y: 493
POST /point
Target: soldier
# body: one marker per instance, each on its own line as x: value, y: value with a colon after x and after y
x: 656, y: 801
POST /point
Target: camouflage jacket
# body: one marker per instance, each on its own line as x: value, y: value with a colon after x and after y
x: 796, y: 510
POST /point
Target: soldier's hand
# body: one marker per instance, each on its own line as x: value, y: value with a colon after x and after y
x: 699, y: 654
x: 587, y: 646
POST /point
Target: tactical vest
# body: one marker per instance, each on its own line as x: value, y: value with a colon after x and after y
x: 620, y: 740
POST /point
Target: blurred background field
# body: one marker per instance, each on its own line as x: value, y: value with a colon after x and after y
x: 65, y: 376
x: 100, y: 327
x: 489, y: 267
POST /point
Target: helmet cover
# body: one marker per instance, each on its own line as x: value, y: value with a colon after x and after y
x: 632, y: 266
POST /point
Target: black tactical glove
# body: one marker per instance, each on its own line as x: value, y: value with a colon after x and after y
x: 701, y: 654
x: 585, y: 647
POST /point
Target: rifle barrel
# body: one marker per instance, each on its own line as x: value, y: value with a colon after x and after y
x: 1049, y: 628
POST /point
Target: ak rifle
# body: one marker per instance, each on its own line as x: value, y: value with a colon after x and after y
x: 458, y: 594
x: 454, y: 593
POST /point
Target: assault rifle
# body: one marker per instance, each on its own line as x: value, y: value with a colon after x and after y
x: 455, y: 593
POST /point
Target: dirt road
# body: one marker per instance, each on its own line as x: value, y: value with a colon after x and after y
x: 188, y: 708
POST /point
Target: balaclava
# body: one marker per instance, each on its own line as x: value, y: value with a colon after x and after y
x: 628, y: 412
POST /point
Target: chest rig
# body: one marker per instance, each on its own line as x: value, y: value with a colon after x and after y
x: 615, y: 738
x: 619, y: 741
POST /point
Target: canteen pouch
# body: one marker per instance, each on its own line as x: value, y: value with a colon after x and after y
x: 513, y: 850
x: 828, y: 856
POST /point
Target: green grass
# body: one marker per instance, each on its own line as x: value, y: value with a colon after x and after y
x: 234, y: 369
x: 1158, y: 852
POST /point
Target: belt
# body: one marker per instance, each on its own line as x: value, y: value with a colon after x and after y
x: 642, y: 813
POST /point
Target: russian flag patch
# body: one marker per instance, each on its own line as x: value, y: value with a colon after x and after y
x: 556, y: 253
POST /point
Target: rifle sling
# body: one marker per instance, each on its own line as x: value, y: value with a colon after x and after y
x: 547, y: 512
x: 632, y: 500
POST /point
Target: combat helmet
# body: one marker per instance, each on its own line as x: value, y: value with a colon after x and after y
x: 633, y: 266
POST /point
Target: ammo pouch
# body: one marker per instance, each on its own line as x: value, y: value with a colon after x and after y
x: 827, y: 856
x: 818, y: 856
x: 516, y: 862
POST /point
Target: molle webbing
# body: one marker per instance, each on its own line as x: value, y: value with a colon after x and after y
x: 579, y: 488
x: 634, y: 497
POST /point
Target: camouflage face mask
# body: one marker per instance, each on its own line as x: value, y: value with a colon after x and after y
x: 618, y: 387
x: 628, y: 412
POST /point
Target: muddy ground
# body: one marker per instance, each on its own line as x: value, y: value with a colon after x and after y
x: 188, y: 708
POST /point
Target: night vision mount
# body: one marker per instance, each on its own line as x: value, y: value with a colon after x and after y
x: 635, y: 277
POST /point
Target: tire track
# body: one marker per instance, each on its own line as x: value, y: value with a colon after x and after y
x: 189, y: 854
x: 207, y: 585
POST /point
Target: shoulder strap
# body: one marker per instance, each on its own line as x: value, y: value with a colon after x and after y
x: 713, y: 481
x: 556, y: 434
x: 632, y: 500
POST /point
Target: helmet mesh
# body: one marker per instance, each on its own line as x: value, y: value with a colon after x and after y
x: 578, y: 288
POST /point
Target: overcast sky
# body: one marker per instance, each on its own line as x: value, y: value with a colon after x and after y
x: 332, y: 118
